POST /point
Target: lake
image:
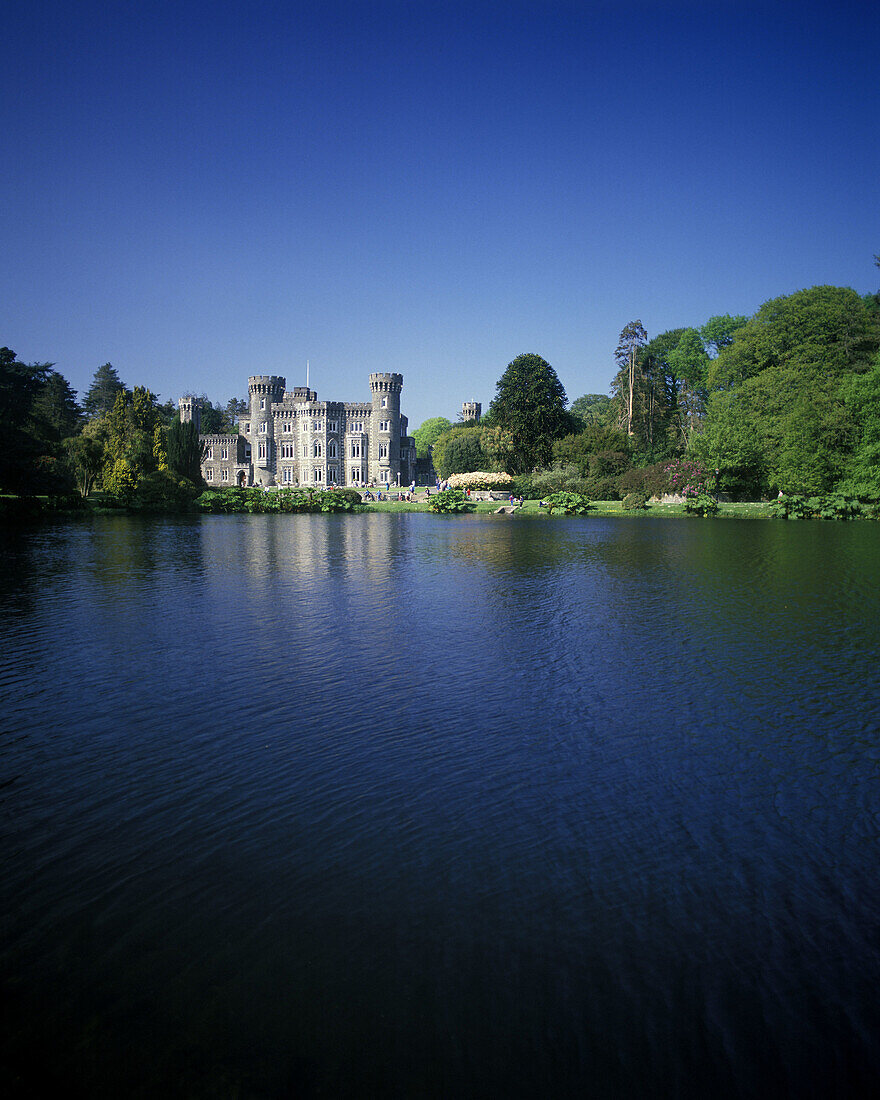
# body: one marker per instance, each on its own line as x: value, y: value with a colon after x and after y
x: 412, y: 805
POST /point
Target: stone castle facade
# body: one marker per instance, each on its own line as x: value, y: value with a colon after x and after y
x: 290, y: 438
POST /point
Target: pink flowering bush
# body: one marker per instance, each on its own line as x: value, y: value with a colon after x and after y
x: 691, y: 478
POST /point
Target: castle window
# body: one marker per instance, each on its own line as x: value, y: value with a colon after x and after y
x: 224, y: 474
x: 247, y: 428
x: 288, y: 426
x: 331, y: 449
x: 305, y: 450
x: 318, y: 474
x: 355, y: 450
x: 262, y: 450
x: 209, y: 475
x: 383, y: 450
x: 224, y: 452
x: 209, y: 453
x: 384, y: 402
x: 332, y: 426
x: 355, y: 475
x: 331, y: 473
x: 316, y: 450
x: 384, y: 425
x: 262, y: 402
x: 287, y: 475
x: 264, y: 427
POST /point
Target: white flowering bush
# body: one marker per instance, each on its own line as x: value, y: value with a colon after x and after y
x: 479, y: 480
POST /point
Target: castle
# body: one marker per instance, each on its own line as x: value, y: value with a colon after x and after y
x: 290, y: 438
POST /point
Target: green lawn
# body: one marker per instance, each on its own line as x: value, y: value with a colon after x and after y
x: 749, y: 510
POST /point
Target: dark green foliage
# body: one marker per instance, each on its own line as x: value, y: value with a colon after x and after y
x: 184, y: 450
x: 651, y: 480
x: 592, y: 408
x: 529, y: 409
x: 838, y: 506
x: 285, y: 501
x: 351, y: 495
x: 460, y: 451
x: 703, y: 505
x: 450, y: 501
x: 570, y: 504
x: 790, y: 506
x: 20, y: 383
x: 558, y: 478
x: 55, y: 414
x: 163, y: 491
x: 595, y: 439
x: 634, y: 501
x: 102, y: 393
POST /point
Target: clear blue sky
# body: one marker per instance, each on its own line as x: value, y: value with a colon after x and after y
x: 198, y: 192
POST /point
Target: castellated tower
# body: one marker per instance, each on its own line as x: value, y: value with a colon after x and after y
x: 385, y: 433
x: 190, y: 411
x: 263, y: 389
x: 471, y: 410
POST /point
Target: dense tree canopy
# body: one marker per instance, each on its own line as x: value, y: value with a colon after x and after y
x: 101, y: 395
x: 428, y: 433
x: 591, y: 408
x: 529, y: 406
x: 460, y: 451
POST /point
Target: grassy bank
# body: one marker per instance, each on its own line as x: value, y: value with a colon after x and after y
x: 746, y: 510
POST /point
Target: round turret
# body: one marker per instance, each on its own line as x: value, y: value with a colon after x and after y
x: 385, y: 427
x: 263, y: 390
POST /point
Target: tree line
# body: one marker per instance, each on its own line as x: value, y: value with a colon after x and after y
x: 120, y: 440
x: 786, y: 400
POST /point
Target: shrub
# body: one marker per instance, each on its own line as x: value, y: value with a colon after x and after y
x: 558, y: 478
x: 837, y: 506
x: 287, y: 501
x: 351, y: 495
x: 602, y: 488
x: 634, y: 501
x: 702, y: 505
x: 163, y: 491
x: 482, y: 480
x: 571, y: 504
x: 790, y: 507
x: 651, y: 480
x: 690, y: 477
x: 450, y: 501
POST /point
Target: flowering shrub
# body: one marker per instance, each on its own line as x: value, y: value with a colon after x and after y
x: 480, y: 480
x: 690, y: 477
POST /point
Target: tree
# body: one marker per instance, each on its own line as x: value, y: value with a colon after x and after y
x: 19, y: 385
x: 427, y: 434
x: 833, y: 321
x: 592, y: 408
x: 718, y: 332
x: 626, y: 383
x: 460, y: 451
x: 688, y: 363
x: 85, y: 458
x: 529, y: 405
x: 184, y: 450
x: 579, y: 450
x: 102, y: 392
x: 55, y: 414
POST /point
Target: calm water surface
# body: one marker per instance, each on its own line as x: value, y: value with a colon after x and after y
x: 425, y: 806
